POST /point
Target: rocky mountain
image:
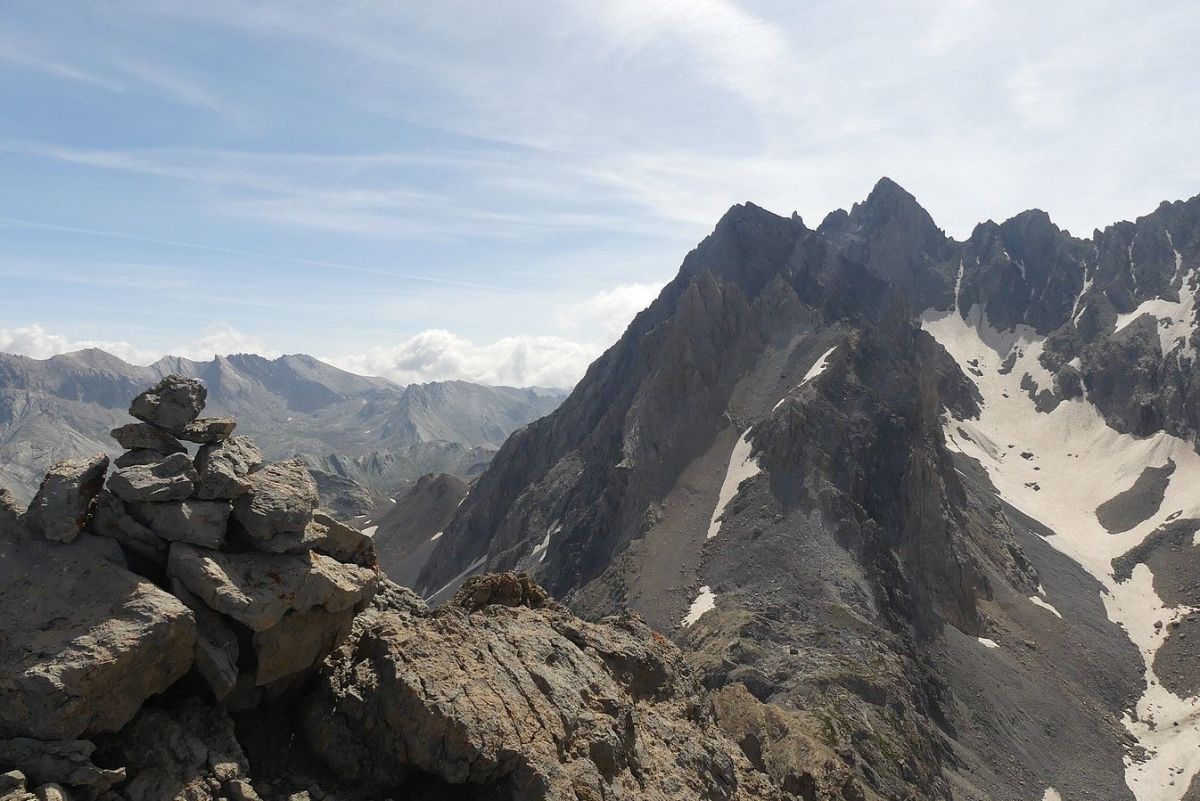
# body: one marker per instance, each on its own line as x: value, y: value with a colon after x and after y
x: 930, y: 503
x: 193, y: 628
x: 354, y: 432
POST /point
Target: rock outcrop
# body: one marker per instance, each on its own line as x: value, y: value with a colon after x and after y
x: 502, y: 688
x: 86, y: 641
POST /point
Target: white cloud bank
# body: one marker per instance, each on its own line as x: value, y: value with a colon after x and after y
x: 432, y: 355
x: 219, y: 338
x: 438, y: 355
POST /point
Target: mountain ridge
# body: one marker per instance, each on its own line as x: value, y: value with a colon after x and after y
x: 821, y: 375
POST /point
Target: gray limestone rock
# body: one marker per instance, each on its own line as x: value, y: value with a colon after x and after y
x: 10, y: 513
x: 171, y: 479
x: 532, y: 699
x: 61, y: 507
x: 206, y: 430
x: 258, y: 589
x: 201, y: 523
x: 66, y: 762
x: 85, y: 641
x: 143, y: 436
x: 171, y: 404
x: 281, y: 500
x: 223, y: 468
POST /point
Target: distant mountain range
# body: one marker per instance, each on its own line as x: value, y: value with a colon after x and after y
x: 352, y: 430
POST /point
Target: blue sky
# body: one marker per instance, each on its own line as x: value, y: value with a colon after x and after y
x: 490, y: 191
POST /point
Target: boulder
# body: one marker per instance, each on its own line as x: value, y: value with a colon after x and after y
x: 223, y: 468
x: 136, y: 457
x: 60, y: 509
x: 12, y: 787
x: 217, y: 647
x: 85, y: 641
x: 187, y: 752
x: 257, y: 589
x: 111, y: 519
x: 52, y: 792
x: 198, y: 522
x: 143, y: 436
x: 328, y: 536
x: 66, y: 762
x: 171, y: 479
x: 281, y: 500
x: 534, y: 701
x: 171, y: 404
x: 301, y: 640
x: 207, y: 430
x: 10, y: 513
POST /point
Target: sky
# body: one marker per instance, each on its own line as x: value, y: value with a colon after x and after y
x: 491, y: 191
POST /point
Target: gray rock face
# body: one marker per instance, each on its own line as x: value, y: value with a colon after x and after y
x: 217, y: 647
x: 197, y: 522
x: 111, y: 519
x: 281, y: 500
x: 10, y: 513
x: 138, y: 456
x: 171, y: 404
x: 257, y: 590
x: 190, y: 752
x: 327, y: 536
x: 208, y: 429
x: 60, y: 509
x: 86, y: 642
x: 224, y: 467
x: 143, y: 436
x: 531, y: 699
x: 171, y: 479
x: 66, y: 762
x: 300, y: 640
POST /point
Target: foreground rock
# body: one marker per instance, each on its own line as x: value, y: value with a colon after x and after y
x: 534, y: 701
x: 257, y: 590
x: 208, y: 429
x: 171, y: 404
x: 281, y: 500
x: 223, y: 468
x: 170, y: 479
x: 143, y: 436
x: 60, y: 509
x: 85, y: 641
x: 10, y: 513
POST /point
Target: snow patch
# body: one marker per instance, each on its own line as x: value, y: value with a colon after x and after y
x: 437, y: 536
x: 1175, y: 318
x: 1051, y: 795
x: 1049, y: 608
x: 741, y: 467
x: 818, y: 367
x: 986, y: 643
x: 704, y: 602
x: 1076, y: 459
x: 370, y: 530
x: 539, y: 550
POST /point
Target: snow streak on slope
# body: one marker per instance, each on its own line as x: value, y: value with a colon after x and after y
x: 817, y: 368
x: 704, y: 602
x: 1057, y: 467
x: 741, y: 467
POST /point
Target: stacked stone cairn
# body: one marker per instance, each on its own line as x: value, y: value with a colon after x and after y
x: 213, y: 573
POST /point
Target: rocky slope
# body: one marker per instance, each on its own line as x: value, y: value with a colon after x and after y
x: 191, y: 628
x: 857, y: 469
x: 362, y: 437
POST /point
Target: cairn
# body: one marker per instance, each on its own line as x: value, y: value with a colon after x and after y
x: 239, y: 541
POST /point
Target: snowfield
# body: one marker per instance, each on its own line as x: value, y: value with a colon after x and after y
x: 1057, y: 468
